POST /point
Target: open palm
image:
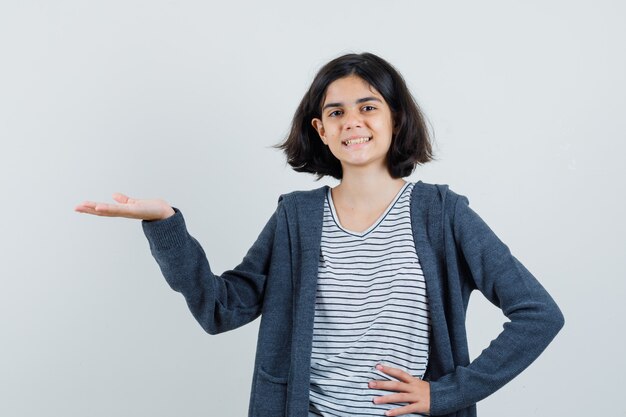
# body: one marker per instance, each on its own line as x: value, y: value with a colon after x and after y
x: 145, y: 209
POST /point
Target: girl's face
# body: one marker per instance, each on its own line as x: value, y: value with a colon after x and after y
x: 356, y: 124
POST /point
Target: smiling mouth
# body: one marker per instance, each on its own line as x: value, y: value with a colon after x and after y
x: 356, y: 141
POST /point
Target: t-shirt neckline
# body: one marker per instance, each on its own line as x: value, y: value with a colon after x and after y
x: 373, y: 226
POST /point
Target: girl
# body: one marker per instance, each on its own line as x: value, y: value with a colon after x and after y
x: 362, y: 288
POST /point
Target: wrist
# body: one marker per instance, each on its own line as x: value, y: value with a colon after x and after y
x: 168, y: 212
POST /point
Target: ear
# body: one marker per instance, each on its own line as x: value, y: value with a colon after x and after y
x: 319, y: 127
x: 395, y: 124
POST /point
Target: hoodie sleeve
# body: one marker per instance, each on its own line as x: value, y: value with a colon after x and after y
x: 534, y: 317
x: 218, y: 302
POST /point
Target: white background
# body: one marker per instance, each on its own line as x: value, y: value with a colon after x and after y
x: 183, y: 100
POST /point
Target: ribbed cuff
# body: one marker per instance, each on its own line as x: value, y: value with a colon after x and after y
x: 167, y: 233
x: 445, y: 398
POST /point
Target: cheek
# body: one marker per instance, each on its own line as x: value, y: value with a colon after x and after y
x: 385, y: 126
x: 331, y: 129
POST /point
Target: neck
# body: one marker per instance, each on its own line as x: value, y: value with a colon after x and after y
x: 367, y: 186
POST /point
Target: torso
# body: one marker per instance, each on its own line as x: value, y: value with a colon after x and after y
x: 371, y: 307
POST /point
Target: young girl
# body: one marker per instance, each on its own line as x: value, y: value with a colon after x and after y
x: 362, y: 288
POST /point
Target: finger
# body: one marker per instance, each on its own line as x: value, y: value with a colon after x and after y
x: 93, y: 206
x: 407, y: 409
x: 112, y: 209
x: 83, y: 209
x: 107, y: 210
x: 389, y: 385
x: 401, y: 397
x: 88, y: 210
x: 86, y: 207
x: 395, y: 372
x: 88, y: 204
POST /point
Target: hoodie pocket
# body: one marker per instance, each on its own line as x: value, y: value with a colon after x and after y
x: 270, y: 395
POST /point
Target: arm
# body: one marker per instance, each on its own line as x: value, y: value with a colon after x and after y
x: 535, y: 319
x: 219, y: 303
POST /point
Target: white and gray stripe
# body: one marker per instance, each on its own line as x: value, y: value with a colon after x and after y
x: 371, y: 307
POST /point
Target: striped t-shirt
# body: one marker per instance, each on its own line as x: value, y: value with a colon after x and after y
x: 371, y: 307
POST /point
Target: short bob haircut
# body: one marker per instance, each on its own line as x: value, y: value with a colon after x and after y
x: 411, y: 145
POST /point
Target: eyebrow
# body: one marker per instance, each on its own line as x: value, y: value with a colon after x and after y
x: 361, y: 100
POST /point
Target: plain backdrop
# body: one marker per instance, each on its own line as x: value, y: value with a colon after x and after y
x: 183, y: 100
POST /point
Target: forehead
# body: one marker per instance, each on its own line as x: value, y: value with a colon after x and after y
x: 349, y: 89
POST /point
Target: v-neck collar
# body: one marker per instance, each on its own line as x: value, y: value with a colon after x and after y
x: 373, y: 226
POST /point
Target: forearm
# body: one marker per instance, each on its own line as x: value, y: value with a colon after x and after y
x: 484, y: 262
x: 218, y: 302
x: 532, y: 326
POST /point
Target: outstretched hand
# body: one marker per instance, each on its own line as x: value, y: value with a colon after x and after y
x: 144, y: 209
x: 408, y: 389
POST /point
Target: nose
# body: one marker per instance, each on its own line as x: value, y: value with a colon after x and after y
x: 353, y: 119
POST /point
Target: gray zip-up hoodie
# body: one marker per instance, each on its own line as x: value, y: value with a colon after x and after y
x: 276, y: 279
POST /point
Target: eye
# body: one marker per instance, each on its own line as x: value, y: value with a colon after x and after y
x: 335, y: 113
x: 368, y: 108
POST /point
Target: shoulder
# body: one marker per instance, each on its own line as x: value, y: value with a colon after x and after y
x: 437, y: 195
x: 302, y: 206
x: 303, y: 196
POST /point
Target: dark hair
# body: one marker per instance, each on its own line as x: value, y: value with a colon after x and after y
x: 411, y: 145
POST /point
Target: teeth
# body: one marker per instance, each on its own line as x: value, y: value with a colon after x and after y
x: 357, y: 141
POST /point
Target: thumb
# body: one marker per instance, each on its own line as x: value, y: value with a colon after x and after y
x: 122, y: 198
